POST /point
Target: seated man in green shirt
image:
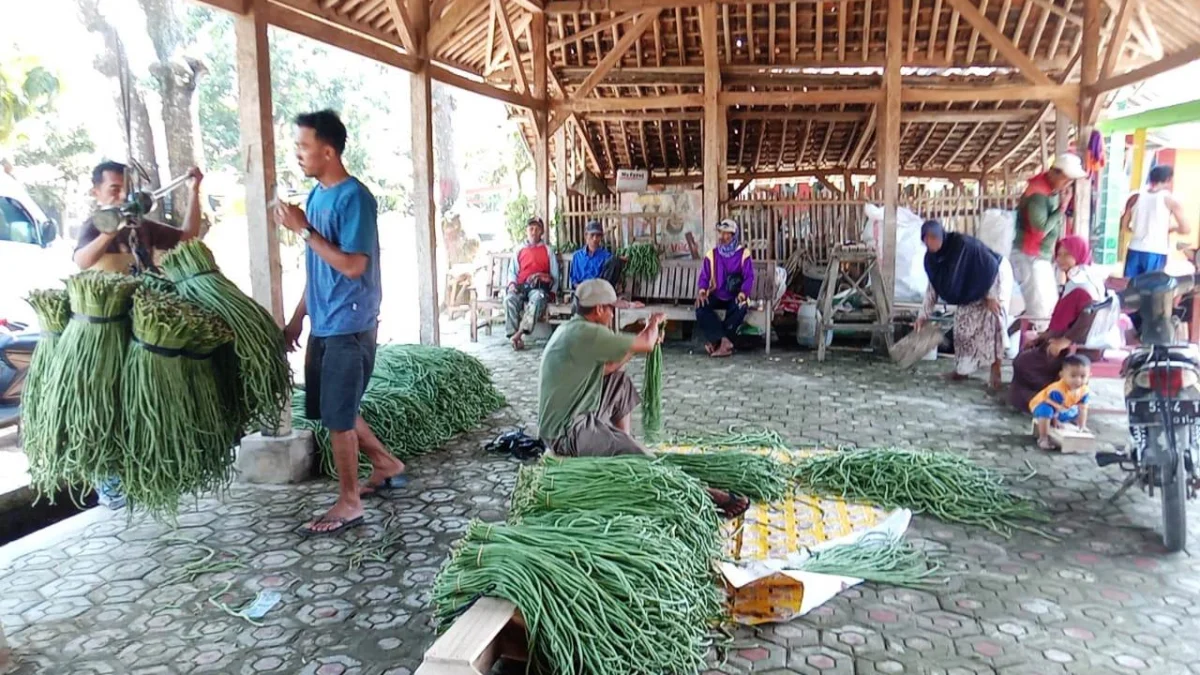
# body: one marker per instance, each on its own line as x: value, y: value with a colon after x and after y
x: 585, y: 398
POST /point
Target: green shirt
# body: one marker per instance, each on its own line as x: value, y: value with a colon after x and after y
x: 1039, y: 225
x: 572, y: 373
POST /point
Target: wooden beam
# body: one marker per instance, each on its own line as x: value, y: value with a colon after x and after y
x: 234, y: 6
x: 302, y: 23
x: 696, y: 178
x: 828, y: 185
x: 713, y: 130
x: 403, y: 24
x: 1022, y: 139
x: 445, y: 26
x: 867, y: 130
x: 888, y: 133
x: 510, y: 43
x: 613, y: 57
x: 591, y: 30
x: 810, y: 97
x: 1116, y: 44
x: 424, y: 206
x: 1090, y: 56
x: 626, y: 103
x: 541, y: 145
x: 997, y: 39
x: 483, y: 89
x: 1167, y: 63
x: 1024, y: 92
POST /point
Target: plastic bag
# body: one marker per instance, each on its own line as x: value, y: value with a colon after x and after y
x: 911, y: 281
x: 997, y: 228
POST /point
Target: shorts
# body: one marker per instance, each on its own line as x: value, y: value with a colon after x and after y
x: 594, y: 434
x: 1045, y: 411
x: 1138, y: 263
x: 336, y: 371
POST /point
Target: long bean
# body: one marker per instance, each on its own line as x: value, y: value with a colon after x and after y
x: 652, y: 395
x: 878, y: 557
x: 643, y: 261
x: 38, y: 439
x: 757, y: 476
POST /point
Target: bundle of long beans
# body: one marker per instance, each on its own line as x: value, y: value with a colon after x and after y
x: 263, y: 370
x: 178, y: 441
x: 607, y: 487
x: 418, y: 397
x: 878, y: 557
x: 652, y: 394
x: 598, y: 596
x: 736, y: 436
x: 757, y: 476
x: 53, y: 310
x: 643, y: 262
x: 79, y: 410
x: 942, y: 484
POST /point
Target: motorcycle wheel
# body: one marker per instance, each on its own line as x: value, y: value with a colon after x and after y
x: 1174, y: 497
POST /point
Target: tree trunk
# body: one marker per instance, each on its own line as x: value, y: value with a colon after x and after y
x: 177, y: 76
x: 113, y: 62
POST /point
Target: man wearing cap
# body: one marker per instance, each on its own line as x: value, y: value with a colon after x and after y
x: 1040, y: 220
x: 726, y: 280
x: 533, y: 276
x: 585, y: 398
x: 594, y: 261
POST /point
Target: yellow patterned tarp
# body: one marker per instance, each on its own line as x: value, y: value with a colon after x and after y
x: 779, y: 530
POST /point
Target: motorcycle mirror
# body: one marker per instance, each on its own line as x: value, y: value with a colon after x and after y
x: 49, y: 232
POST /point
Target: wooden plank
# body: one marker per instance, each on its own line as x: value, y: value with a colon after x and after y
x: 510, y: 43
x: 591, y: 30
x: 319, y: 29
x: 613, y: 57
x: 470, y: 646
x: 800, y: 97
x: 889, y: 142
x: 1024, y: 92
x: 445, y: 26
x: 1167, y: 63
x: 585, y: 105
x: 714, y: 125
x: 998, y: 40
x: 1116, y: 45
x: 424, y: 206
x: 541, y: 144
x: 483, y: 89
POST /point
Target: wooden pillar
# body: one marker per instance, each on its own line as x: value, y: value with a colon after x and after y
x: 257, y: 130
x: 1062, y: 133
x: 424, y: 206
x: 888, y: 132
x: 714, y: 125
x: 562, y: 169
x: 541, y: 146
x: 1090, y: 73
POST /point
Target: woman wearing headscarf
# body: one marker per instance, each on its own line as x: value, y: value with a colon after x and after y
x: 726, y: 280
x: 1039, y: 364
x: 965, y: 273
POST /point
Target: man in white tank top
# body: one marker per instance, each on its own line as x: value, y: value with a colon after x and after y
x: 1152, y: 215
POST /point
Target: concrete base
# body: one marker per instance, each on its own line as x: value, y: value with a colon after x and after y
x: 276, y: 460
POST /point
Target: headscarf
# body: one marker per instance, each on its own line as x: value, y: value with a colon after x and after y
x: 1079, y: 276
x: 1078, y: 247
x: 728, y: 250
x: 963, y: 269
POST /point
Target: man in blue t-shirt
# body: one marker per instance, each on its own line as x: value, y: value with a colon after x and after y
x: 341, y: 300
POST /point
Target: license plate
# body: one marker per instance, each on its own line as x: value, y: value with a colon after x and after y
x: 1150, y: 413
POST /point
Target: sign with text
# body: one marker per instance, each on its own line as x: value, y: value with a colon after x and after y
x: 632, y: 180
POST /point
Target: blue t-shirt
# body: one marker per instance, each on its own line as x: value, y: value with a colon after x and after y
x: 585, y: 265
x: 345, y: 214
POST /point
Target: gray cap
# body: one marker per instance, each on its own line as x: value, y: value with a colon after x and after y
x: 593, y: 227
x: 594, y: 293
x: 727, y: 225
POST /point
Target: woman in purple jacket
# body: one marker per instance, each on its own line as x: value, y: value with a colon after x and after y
x: 726, y: 279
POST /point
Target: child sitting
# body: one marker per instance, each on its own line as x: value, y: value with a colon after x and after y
x: 1063, y: 401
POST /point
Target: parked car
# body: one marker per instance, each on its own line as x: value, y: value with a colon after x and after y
x: 29, y: 258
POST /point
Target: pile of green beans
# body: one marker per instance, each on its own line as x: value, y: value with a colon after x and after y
x: 78, y: 414
x: 878, y: 557
x: 599, y: 596
x: 53, y: 310
x: 178, y: 441
x: 611, y: 486
x: 262, y: 367
x: 643, y: 261
x: 757, y: 476
x: 736, y: 436
x: 418, y: 398
x: 942, y: 484
x: 652, y: 395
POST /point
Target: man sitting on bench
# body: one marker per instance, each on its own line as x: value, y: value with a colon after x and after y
x: 585, y: 398
x: 594, y: 261
x: 726, y: 280
x: 533, y: 275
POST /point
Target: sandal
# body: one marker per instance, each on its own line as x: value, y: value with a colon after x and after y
x: 735, y: 506
x: 342, y: 525
x: 384, y: 487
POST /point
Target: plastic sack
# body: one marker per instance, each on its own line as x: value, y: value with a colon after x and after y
x: 997, y: 228
x: 911, y: 281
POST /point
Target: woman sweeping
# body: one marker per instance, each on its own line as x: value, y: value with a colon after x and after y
x: 1039, y: 364
x: 965, y: 273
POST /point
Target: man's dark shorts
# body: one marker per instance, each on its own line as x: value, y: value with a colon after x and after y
x: 336, y: 371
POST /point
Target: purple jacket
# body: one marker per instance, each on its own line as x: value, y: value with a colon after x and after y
x: 740, y: 263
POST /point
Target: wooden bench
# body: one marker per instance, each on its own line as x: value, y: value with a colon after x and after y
x: 490, y: 629
x: 490, y: 302
x: 673, y: 292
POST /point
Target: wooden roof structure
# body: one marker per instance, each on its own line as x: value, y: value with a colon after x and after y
x: 717, y: 91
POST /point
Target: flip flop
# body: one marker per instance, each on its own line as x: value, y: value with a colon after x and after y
x: 385, y: 486
x: 342, y: 525
x: 735, y: 506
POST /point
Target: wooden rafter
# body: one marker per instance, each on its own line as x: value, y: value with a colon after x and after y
x: 445, y: 26
x: 1163, y: 65
x: 402, y: 23
x: 591, y: 30
x: 510, y: 43
x: 1116, y: 39
x: 997, y: 39
x: 613, y: 57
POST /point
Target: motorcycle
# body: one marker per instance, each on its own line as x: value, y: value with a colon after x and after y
x: 16, y: 351
x: 1162, y: 399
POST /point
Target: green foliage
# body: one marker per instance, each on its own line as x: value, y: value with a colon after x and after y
x: 26, y: 89
x: 55, y: 163
x: 516, y: 214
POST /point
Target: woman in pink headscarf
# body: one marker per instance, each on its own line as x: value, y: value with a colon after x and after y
x: 1039, y: 364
